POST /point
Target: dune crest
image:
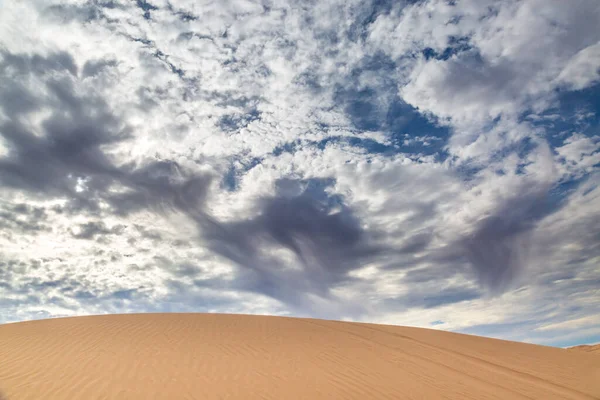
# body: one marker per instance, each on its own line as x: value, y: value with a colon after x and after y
x: 588, y: 348
x: 218, y: 356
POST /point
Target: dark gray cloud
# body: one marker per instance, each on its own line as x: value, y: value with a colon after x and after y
x: 91, y: 10
x: 496, y: 252
x: 326, y: 244
x: 69, y: 144
x: 498, y: 248
x: 95, y: 67
x: 38, y: 64
x: 416, y: 243
x: 22, y: 218
x: 161, y: 185
x: 92, y: 229
x: 66, y: 157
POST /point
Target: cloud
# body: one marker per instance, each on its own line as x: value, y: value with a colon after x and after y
x: 574, y: 323
x: 66, y: 156
x: 67, y: 142
x: 93, y: 68
x: 90, y: 230
x: 399, y: 162
x: 580, y: 154
x: 296, y: 245
x: 498, y: 72
x: 23, y: 219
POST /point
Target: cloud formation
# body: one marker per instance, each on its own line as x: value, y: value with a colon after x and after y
x: 430, y: 163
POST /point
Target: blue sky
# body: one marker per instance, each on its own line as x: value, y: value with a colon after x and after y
x: 422, y: 163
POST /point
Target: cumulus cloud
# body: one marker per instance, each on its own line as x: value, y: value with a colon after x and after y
x: 511, y: 59
x: 420, y: 163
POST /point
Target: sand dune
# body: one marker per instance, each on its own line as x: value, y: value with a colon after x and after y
x: 588, y: 348
x: 215, y: 356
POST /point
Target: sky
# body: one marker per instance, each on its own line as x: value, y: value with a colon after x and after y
x: 422, y: 163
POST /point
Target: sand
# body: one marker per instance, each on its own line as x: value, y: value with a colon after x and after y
x: 588, y: 348
x: 216, y: 356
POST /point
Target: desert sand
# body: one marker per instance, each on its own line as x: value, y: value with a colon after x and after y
x: 217, y: 356
x: 588, y: 348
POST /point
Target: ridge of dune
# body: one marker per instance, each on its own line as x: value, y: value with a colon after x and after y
x: 588, y: 348
x: 225, y: 356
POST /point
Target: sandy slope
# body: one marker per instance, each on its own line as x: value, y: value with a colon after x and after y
x: 212, y: 356
x: 588, y: 348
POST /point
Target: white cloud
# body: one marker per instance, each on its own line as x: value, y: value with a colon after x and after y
x: 577, y: 323
x: 582, y: 70
x: 242, y: 95
x: 514, y: 61
x: 580, y: 154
